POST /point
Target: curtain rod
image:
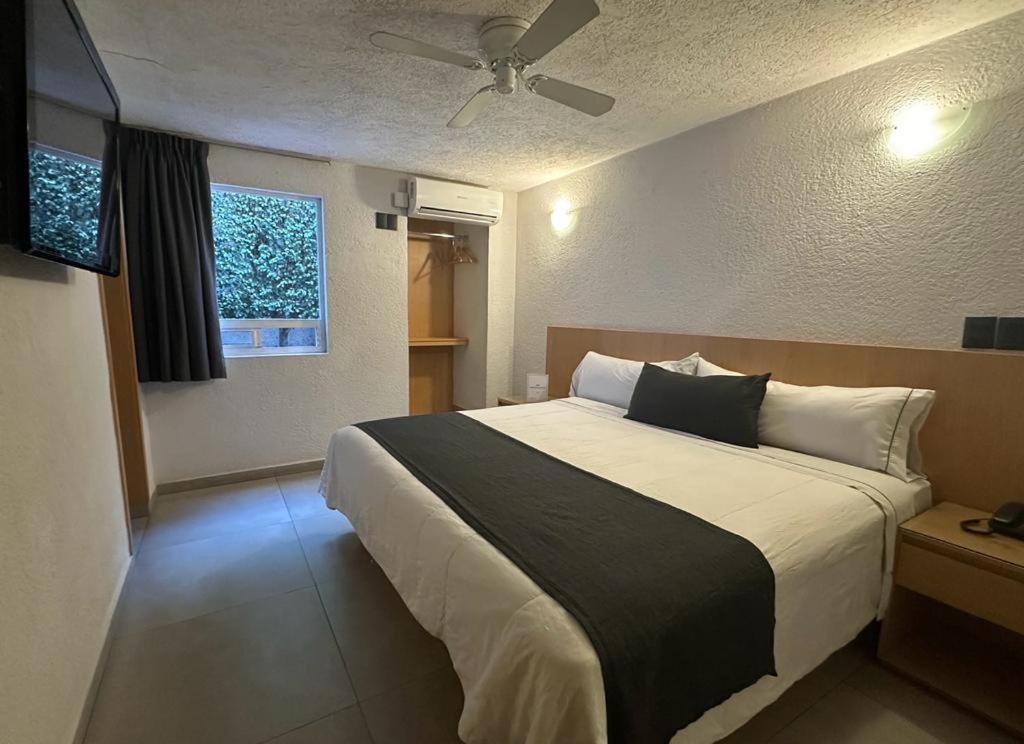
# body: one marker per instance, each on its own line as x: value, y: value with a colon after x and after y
x: 189, y: 135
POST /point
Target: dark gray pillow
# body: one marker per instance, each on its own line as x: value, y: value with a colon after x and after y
x: 720, y: 407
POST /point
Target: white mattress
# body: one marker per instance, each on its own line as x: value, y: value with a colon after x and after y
x: 529, y: 672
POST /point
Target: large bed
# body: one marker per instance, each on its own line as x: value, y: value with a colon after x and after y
x: 529, y: 671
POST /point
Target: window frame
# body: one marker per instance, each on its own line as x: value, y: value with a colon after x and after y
x: 67, y: 154
x: 255, y: 325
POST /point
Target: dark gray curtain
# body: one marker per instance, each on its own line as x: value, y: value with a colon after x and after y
x: 169, y: 239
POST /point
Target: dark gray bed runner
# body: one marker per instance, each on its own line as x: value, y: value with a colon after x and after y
x: 680, y: 612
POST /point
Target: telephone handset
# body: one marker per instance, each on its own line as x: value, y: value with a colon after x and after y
x: 1008, y: 520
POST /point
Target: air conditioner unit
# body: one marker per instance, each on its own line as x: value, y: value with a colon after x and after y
x: 441, y: 200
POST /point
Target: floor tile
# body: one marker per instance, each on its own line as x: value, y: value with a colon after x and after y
x: 948, y: 723
x: 238, y: 676
x: 301, y: 494
x: 179, y: 582
x: 333, y: 549
x: 803, y: 694
x: 425, y: 711
x: 344, y: 727
x: 381, y: 642
x: 195, y: 515
x: 846, y: 716
x: 248, y: 654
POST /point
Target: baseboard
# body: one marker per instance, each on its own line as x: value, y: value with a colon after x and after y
x: 85, y: 714
x: 238, y: 476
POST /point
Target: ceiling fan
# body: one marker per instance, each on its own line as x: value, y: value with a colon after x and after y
x: 508, y: 47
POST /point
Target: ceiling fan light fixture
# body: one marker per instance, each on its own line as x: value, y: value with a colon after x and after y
x: 505, y: 78
x: 509, y: 46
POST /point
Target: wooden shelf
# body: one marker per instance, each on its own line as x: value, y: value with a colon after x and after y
x: 437, y: 341
x: 960, y: 663
x: 431, y: 307
x: 956, y: 619
x: 938, y: 529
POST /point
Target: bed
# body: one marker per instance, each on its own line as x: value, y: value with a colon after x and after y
x: 529, y: 672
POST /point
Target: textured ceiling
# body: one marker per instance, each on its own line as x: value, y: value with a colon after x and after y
x: 303, y: 76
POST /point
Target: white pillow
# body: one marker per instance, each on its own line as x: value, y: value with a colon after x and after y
x: 611, y: 380
x: 875, y: 428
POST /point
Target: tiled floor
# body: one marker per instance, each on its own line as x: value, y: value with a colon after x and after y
x: 252, y: 614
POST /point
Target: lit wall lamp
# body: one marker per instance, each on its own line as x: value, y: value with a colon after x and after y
x: 920, y: 126
x: 562, y: 216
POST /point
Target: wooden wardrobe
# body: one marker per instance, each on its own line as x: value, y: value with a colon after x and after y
x: 432, y: 339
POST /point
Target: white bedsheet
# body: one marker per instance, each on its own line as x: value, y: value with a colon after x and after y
x: 529, y: 672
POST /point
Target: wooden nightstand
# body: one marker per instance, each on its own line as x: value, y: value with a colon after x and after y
x: 956, y: 622
x: 515, y: 400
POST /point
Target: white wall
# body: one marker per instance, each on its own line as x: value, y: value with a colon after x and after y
x: 485, y: 311
x: 793, y: 220
x: 275, y: 410
x: 63, y: 539
x: 501, y: 301
x: 469, y: 367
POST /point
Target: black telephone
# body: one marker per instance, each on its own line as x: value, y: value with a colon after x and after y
x: 1008, y: 520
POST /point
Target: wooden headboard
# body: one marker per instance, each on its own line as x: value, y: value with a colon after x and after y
x: 973, y: 441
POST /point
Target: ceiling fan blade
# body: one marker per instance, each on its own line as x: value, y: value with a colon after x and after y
x: 472, y: 109
x: 558, y: 22
x: 394, y: 43
x: 582, y: 99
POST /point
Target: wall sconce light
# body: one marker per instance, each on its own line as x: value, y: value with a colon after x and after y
x: 562, y: 217
x: 920, y: 126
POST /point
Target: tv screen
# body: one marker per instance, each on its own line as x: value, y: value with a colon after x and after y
x: 57, y: 97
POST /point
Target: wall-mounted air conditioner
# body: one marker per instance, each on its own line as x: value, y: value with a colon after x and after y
x: 441, y: 200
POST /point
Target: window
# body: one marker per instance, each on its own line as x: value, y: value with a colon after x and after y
x: 64, y: 197
x: 270, y: 272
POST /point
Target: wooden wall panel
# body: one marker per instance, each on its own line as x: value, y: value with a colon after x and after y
x: 431, y: 282
x: 430, y: 380
x: 973, y: 441
x: 124, y: 386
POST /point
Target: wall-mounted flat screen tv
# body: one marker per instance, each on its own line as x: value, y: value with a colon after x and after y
x: 55, y: 96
